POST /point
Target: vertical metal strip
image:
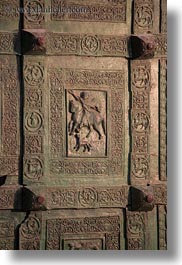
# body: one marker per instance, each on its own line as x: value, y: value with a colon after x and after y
x: 162, y: 227
x: 163, y: 120
x: 143, y: 16
x: 140, y: 121
x: 163, y: 101
x: 163, y: 20
x: 34, y: 114
x: 30, y: 232
x: 10, y: 137
x: 135, y: 230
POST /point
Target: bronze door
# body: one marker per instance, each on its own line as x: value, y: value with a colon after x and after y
x: 83, y: 125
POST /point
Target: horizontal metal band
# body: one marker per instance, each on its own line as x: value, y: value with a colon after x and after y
x: 48, y: 43
x: 42, y: 198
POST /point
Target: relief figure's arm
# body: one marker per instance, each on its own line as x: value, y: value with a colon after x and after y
x: 72, y: 93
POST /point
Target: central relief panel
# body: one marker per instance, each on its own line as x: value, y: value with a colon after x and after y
x: 86, y: 123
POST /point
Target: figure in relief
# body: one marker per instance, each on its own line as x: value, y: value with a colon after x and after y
x: 85, y: 113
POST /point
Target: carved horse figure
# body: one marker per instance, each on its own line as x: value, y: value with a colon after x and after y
x: 82, y: 116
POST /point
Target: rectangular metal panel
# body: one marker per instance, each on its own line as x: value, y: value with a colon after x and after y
x: 50, y: 133
x: 79, y: 17
x: 73, y: 230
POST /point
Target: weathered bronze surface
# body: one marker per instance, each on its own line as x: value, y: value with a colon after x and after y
x: 83, y: 125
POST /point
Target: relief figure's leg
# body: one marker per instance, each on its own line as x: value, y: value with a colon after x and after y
x: 77, y: 146
x: 90, y: 130
x: 74, y: 128
x: 97, y: 128
x: 69, y: 126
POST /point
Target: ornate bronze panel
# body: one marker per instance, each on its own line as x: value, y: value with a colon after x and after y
x: 83, y: 125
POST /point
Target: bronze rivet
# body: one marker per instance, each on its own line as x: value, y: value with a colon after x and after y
x: 149, y: 198
x: 40, y: 199
x: 150, y: 46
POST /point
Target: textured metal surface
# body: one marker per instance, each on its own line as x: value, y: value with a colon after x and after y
x: 83, y: 125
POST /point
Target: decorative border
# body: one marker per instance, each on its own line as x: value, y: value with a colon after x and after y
x: 96, y: 45
x: 9, y: 116
x: 9, y: 12
x: 8, y: 197
x: 78, y: 198
x: 34, y: 79
x: 114, y: 82
x: 160, y: 45
x: 140, y: 120
x: 10, y: 106
x: 7, y: 228
x: 135, y: 227
x: 87, y: 197
x: 7, y: 42
x: 163, y: 120
x: 30, y: 233
x: 143, y: 16
x: 9, y: 166
x: 163, y: 26
x: 34, y: 16
x: 160, y: 194
x: 75, y: 10
x: 109, y: 226
x: 84, y: 45
x: 162, y: 227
